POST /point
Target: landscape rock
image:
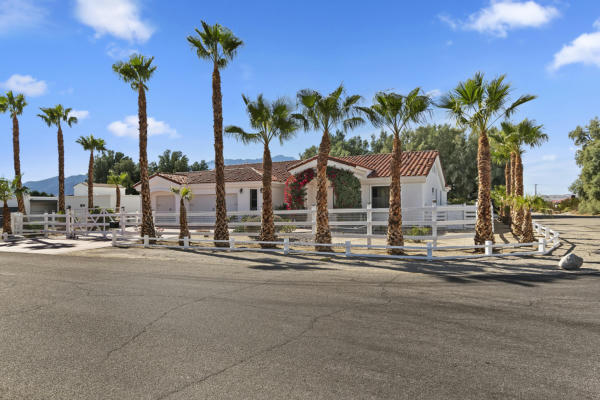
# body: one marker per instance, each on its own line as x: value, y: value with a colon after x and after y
x: 570, y: 262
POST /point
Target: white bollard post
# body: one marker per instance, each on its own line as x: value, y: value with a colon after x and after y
x: 434, y: 232
x: 186, y: 242
x: 488, y: 248
x: 45, y: 224
x: 542, y: 245
x: 369, y: 224
x: 122, y: 221
x: 5, y: 237
x: 313, y: 218
x: 114, y: 237
x: 146, y: 241
x: 429, y: 251
x: 286, y: 246
x: 231, y: 243
x: 546, y: 233
x: 348, y: 248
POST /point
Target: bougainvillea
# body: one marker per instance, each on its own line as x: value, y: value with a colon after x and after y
x: 345, y: 185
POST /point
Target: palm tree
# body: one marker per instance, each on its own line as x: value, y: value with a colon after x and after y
x: 54, y: 116
x: 91, y: 144
x: 137, y: 71
x: 502, y: 142
x: 396, y: 112
x: 218, y: 45
x: 118, y: 181
x: 478, y: 104
x: 325, y: 113
x: 272, y: 121
x: 6, y: 193
x: 525, y: 204
x: 184, y: 193
x: 14, y: 105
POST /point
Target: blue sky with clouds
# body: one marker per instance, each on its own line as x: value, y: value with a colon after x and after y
x: 61, y: 51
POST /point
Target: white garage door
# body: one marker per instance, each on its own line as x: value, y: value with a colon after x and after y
x: 206, y: 202
x: 165, y: 203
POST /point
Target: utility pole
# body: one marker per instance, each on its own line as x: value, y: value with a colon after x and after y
x: 535, y: 188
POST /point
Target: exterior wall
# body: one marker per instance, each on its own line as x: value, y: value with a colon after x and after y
x: 132, y: 203
x: 412, y: 190
x: 39, y: 206
x: 434, y: 189
x: 81, y: 190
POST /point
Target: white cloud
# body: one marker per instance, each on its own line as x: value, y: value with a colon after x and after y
x: 25, y: 84
x: 434, y: 93
x: 504, y: 15
x: 80, y: 114
x: 19, y: 14
x: 119, y: 18
x: 584, y: 49
x: 129, y: 127
x: 117, y: 52
x: 549, y: 157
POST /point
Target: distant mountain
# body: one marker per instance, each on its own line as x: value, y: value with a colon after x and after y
x: 50, y: 185
x: 236, y: 161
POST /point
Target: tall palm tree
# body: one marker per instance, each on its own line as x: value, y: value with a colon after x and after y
x: 137, y: 71
x: 118, y: 181
x: 218, y: 45
x: 6, y: 193
x: 184, y: 193
x: 396, y: 112
x: 271, y: 121
x: 478, y: 104
x: 91, y: 144
x: 54, y: 116
x: 325, y: 113
x: 15, y: 105
x: 525, y: 204
x: 503, y: 143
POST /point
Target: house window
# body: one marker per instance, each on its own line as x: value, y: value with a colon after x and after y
x: 253, y: 199
x: 380, y: 196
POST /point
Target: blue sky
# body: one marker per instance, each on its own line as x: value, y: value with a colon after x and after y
x: 61, y: 51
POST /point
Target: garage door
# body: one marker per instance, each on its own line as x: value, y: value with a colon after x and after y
x: 165, y: 203
x: 203, y: 202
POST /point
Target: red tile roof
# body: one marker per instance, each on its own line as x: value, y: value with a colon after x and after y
x: 414, y: 163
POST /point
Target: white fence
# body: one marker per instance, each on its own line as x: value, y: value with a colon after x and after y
x: 423, y: 223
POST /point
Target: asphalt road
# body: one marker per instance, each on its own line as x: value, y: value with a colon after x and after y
x: 158, y: 324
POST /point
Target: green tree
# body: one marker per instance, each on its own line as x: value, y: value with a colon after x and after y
x: 137, y: 71
x: 326, y: 113
x: 341, y: 146
x: 172, y: 161
x: 478, y: 104
x: 6, y: 193
x: 271, y: 121
x: 54, y: 116
x: 587, y: 185
x: 15, y: 105
x: 116, y: 163
x: 199, y: 166
x: 185, y: 194
x: 119, y: 180
x: 383, y: 143
x: 395, y: 112
x: 91, y: 144
x: 217, y: 45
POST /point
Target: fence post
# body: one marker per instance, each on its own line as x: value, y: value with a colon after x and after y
x: 348, y: 248
x: 555, y: 239
x: 537, y: 228
x: 231, y: 243
x: 286, y: 246
x: 113, y: 237
x: 429, y: 251
x: 45, y: 224
x: 542, y: 245
x: 546, y: 233
x: 186, y: 242
x: 122, y: 221
x: 146, y: 241
x: 4, y: 237
x: 488, y: 248
x: 492, y: 216
x: 369, y: 224
x: 434, y: 224
x: 313, y: 218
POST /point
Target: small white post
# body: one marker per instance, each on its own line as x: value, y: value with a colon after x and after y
x: 113, y: 233
x: 313, y: 217
x: 146, y: 241
x: 537, y: 228
x: 5, y: 237
x: 286, y: 246
x: 348, y: 248
x: 231, y: 243
x: 542, y: 245
x: 45, y: 224
x: 488, y: 248
x: 369, y: 224
x: 122, y: 221
x: 492, y: 216
x: 434, y: 232
x: 546, y: 233
x: 429, y: 251
x: 186, y: 242
x: 555, y: 239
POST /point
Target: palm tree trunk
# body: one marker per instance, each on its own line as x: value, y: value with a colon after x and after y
x: 267, y: 229
x: 483, y: 226
x: 61, y: 170
x: 528, y: 236
x: 323, y: 234
x: 519, y: 214
x: 17, y: 160
x: 118, y: 205
x: 221, y: 228
x: 513, y: 190
x: 91, y: 180
x: 183, y: 225
x: 394, y: 232
x: 147, y: 221
x: 6, y: 219
x: 507, y: 190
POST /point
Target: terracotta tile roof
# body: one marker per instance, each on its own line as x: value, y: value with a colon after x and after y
x: 414, y: 163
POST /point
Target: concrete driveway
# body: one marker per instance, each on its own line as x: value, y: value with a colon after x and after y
x: 55, y: 245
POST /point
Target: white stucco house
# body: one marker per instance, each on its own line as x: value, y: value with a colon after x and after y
x: 105, y: 196
x: 423, y: 183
